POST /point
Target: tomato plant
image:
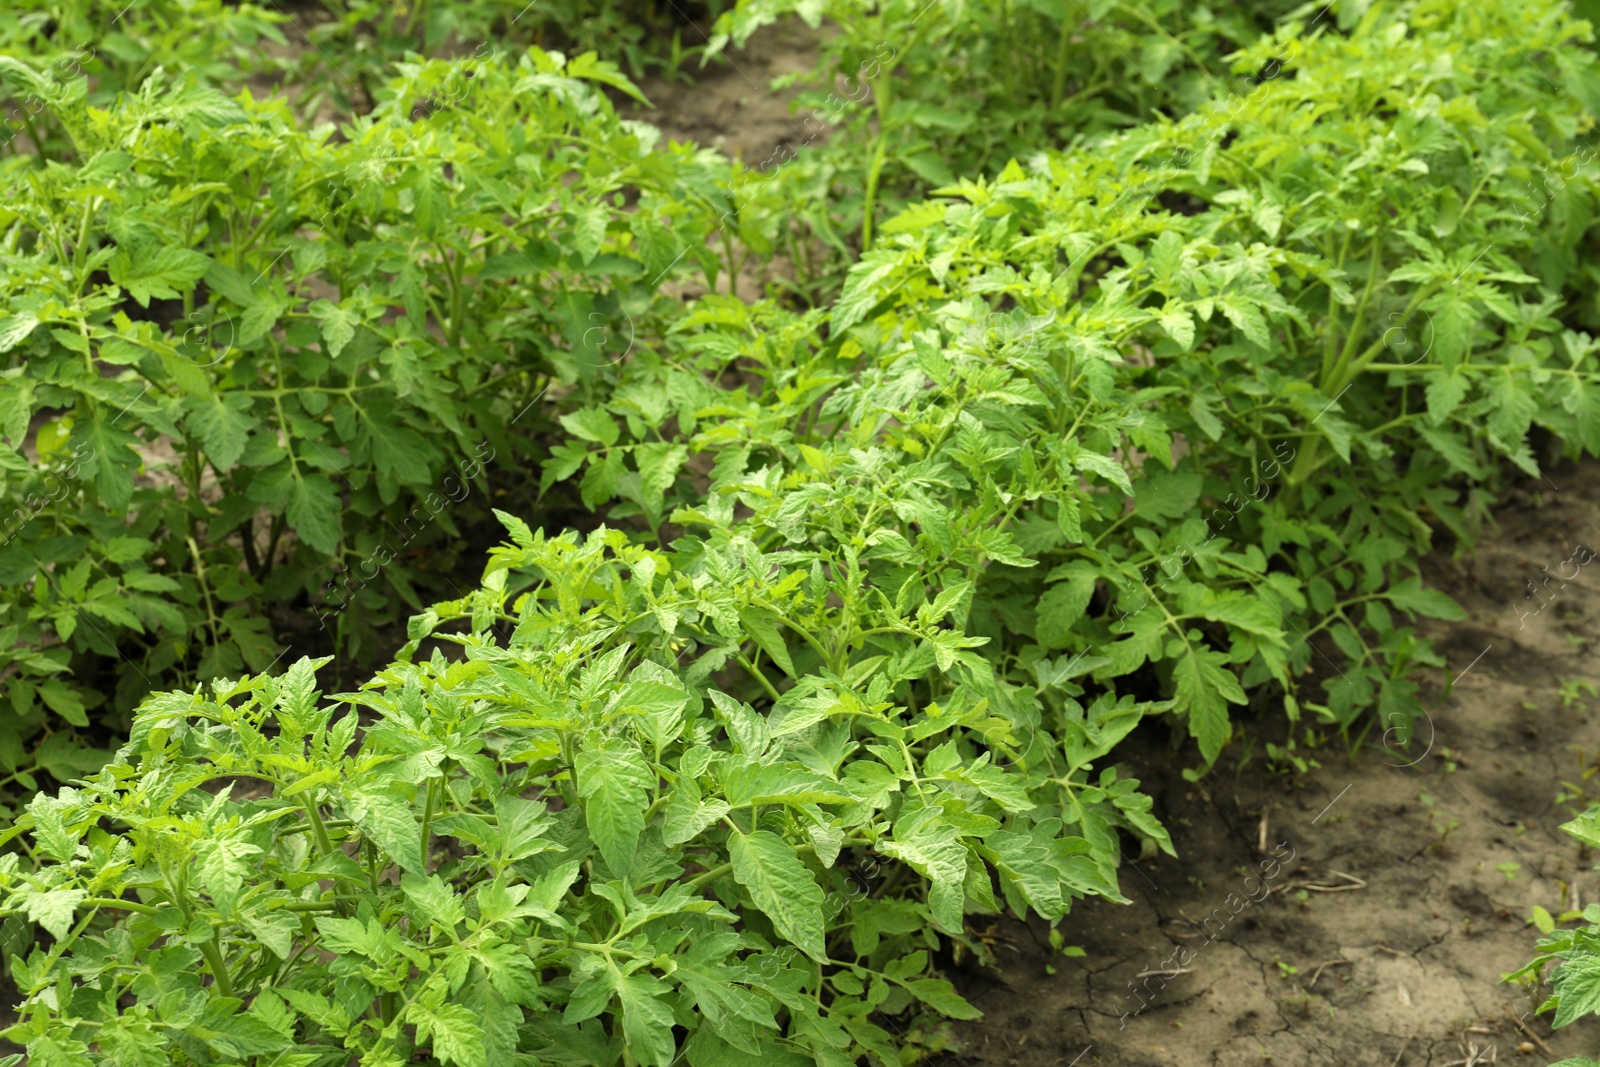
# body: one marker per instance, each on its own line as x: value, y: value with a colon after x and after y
x: 284, y: 359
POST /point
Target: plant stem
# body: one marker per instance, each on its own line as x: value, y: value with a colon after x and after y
x: 318, y: 830
x: 219, y: 966
x: 117, y: 902
x: 427, y: 817
x: 755, y: 672
x: 884, y: 95
x: 710, y: 876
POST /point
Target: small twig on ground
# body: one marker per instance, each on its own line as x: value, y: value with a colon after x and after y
x: 1261, y: 833
x: 1325, y: 963
x: 1399, y: 1055
x: 1518, y: 1023
x: 1354, y: 883
x: 1165, y: 974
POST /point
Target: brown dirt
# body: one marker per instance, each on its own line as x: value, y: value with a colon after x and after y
x: 1384, y: 939
x: 731, y: 105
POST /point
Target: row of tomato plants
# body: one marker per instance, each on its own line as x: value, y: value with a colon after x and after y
x: 889, y: 576
x: 261, y: 372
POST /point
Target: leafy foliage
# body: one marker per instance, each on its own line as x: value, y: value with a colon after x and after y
x: 909, y: 95
x: 1222, y: 378
x: 574, y: 820
x: 1158, y: 423
x: 285, y: 358
x: 336, y: 59
x: 1575, y: 980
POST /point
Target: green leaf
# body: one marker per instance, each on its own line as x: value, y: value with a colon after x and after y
x: 932, y: 847
x: 388, y: 822
x: 762, y: 626
x: 222, y: 426
x: 860, y: 293
x: 52, y: 910
x: 223, y: 279
x: 1009, y: 790
x: 1576, y: 986
x: 49, y: 828
x: 646, y: 1019
x: 259, y: 319
x: 157, y: 272
x: 592, y: 424
x: 1179, y: 325
x: 781, y: 886
x: 399, y: 452
x: 16, y: 408
x: 453, y: 1032
x: 275, y: 929
x: 313, y: 512
x: 115, y: 460
x: 1409, y: 595
x: 1167, y: 495
x: 62, y: 1051
x: 589, y: 66
x: 223, y: 866
x: 615, y: 783
x: 942, y: 997
x: 687, y: 817
x: 1204, y: 686
x: 1249, y: 613
x: 1444, y: 393
x: 1453, y: 321
x: 338, y: 325
x: 14, y: 329
x: 64, y: 701
x: 1246, y: 318
x: 589, y: 230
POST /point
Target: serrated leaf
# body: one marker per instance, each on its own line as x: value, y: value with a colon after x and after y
x: 452, y: 1030
x: 1410, y: 595
x: 614, y: 782
x: 781, y: 886
x: 313, y: 512
x: 932, y: 847
x: 157, y: 272
x: 1204, y: 687
x: 52, y: 910
x: 388, y: 822
x: 338, y: 325
x: 1576, y: 988
x: 646, y: 1019
x: 762, y: 626
x: 942, y: 997
x: 223, y: 428
x: 1248, y: 613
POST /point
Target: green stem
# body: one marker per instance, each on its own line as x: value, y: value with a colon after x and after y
x: 755, y: 672
x: 219, y: 967
x: 1062, y: 43
x: 710, y: 876
x: 870, y: 206
x: 427, y: 817
x: 307, y: 905
x: 117, y: 902
x: 318, y: 830
x: 1353, y: 334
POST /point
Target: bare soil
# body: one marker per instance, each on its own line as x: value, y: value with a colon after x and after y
x: 731, y: 105
x: 1413, y: 871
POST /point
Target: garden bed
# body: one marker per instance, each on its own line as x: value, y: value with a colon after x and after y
x: 1075, y: 578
